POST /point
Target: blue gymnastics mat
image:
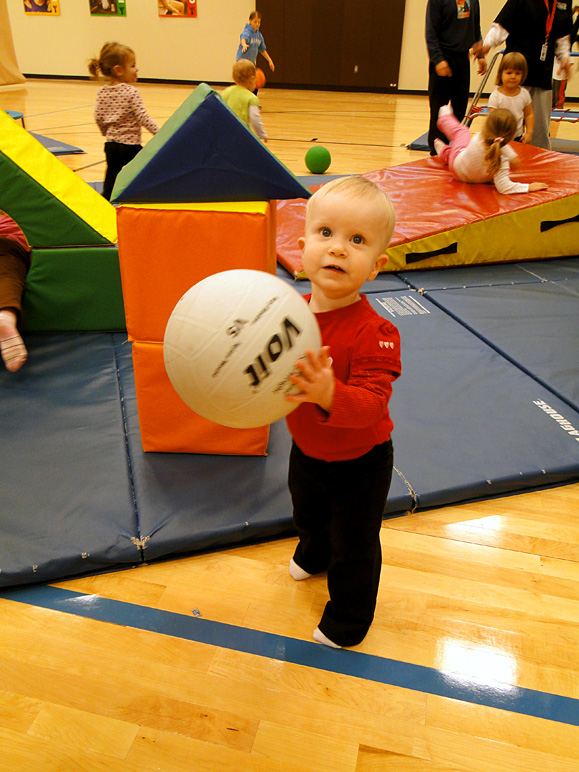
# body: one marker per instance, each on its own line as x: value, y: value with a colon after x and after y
x: 79, y: 495
x: 56, y: 147
x: 66, y: 504
x: 514, y: 319
x: 468, y: 423
x: 529, y: 272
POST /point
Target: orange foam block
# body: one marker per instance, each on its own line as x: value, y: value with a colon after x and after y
x: 169, y: 426
x: 165, y: 249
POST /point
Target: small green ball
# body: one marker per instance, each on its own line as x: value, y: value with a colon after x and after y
x: 318, y: 159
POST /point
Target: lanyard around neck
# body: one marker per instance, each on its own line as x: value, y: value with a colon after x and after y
x: 550, y: 17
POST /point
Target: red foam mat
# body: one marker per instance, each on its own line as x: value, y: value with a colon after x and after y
x: 436, y: 213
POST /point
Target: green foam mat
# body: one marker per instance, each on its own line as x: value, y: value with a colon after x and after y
x: 74, y: 289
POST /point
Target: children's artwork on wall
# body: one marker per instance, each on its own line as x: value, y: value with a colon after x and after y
x: 50, y: 7
x: 177, y: 8
x: 108, y: 7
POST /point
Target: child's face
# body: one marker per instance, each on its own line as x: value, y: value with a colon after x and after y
x: 343, y: 246
x: 511, y: 79
x: 255, y: 23
x: 127, y: 72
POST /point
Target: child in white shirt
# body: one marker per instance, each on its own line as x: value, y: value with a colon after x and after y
x: 510, y: 96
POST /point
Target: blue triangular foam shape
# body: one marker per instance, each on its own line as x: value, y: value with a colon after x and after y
x: 205, y: 153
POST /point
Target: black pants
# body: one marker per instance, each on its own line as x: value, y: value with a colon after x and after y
x: 338, y: 509
x: 117, y: 156
x: 453, y: 89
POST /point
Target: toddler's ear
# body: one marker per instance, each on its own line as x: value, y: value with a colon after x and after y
x: 301, y: 243
x: 378, y: 266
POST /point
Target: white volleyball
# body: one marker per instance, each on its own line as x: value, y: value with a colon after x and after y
x: 232, y: 342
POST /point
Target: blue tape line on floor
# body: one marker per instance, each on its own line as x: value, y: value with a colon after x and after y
x: 351, y: 663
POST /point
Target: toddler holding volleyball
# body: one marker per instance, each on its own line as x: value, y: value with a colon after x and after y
x: 510, y: 96
x: 487, y: 156
x: 242, y: 100
x: 119, y: 111
x: 341, y: 458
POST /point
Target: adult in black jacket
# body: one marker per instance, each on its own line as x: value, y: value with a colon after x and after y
x: 452, y: 28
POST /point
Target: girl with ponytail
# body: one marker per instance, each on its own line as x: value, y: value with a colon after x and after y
x: 485, y: 157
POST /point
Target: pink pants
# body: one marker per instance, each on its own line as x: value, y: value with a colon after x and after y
x: 458, y: 135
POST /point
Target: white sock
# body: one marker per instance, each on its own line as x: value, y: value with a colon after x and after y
x: 321, y: 638
x: 296, y: 572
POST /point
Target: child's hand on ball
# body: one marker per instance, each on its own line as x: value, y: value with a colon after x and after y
x: 315, y: 379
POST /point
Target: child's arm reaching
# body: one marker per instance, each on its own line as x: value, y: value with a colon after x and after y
x: 505, y: 184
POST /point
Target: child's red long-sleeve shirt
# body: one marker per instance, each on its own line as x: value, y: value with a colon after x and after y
x: 365, y: 349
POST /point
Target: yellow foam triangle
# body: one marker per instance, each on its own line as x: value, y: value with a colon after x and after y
x: 56, y: 178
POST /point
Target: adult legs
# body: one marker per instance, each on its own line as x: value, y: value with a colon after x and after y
x: 445, y: 90
x: 558, y: 98
x: 541, y: 100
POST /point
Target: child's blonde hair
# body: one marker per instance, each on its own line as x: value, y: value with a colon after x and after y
x: 243, y: 72
x: 363, y: 189
x: 512, y: 61
x: 499, y: 129
x: 111, y: 55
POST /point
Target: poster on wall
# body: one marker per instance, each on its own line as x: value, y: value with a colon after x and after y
x: 178, y: 8
x: 49, y: 7
x: 108, y: 8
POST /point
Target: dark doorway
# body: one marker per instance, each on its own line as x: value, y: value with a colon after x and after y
x: 333, y: 43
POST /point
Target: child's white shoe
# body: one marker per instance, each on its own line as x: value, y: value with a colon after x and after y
x: 296, y: 572
x: 439, y: 146
x: 445, y: 110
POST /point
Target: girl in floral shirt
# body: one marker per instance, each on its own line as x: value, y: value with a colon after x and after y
x: 119, y: 110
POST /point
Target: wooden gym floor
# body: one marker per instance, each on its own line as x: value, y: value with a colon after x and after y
x: 472, y: 663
